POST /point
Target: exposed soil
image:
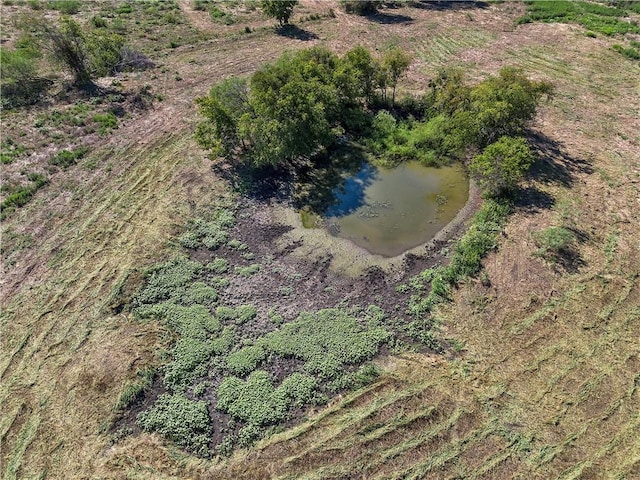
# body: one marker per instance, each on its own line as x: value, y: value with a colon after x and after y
x: 288, y: 284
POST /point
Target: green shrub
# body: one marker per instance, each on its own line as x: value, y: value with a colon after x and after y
x: 211, y: 233
x: 501, y: 165
x: 361, y: 7
x: 299, y: 388
x: 67, y: 158
x: 98, y: 22
x: 20, y: 83
x: 106, y: 122
x: 245, y: 313
x: 181, y: 420
x: 201, y: 5
x: 218, y: 265
x: 245, y: 360
x: 190, y: 360
x: 199, y: 292
x: 195, y: 321
x: 66, y: 7
x: 248, y: 270
x: 254, y: 401
x: 168, y: 281
x: 327, y: 341
x: 553, y: 242
x: 124, y: 9
x: 10, y: 150
x: 237, y: 245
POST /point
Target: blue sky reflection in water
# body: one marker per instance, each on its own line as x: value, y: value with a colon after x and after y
x: 388, y: 211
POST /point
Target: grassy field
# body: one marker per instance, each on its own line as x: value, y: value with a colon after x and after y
x: 541, y: 379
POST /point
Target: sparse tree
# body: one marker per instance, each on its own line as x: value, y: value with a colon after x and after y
x: 281, y: 10
x: 396, y: 63
x: 86, y: 54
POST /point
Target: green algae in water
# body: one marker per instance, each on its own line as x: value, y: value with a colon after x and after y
x: 389, y: 211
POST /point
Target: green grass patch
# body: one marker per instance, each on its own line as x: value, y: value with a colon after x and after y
x: 66, y: 7
x: 134, y: 392
x: 106, y: 122
x: 480, y: 238
x: 596, y: 17
x: 632, y: 52
x: 67, y: 158
x: 554, y: 242
x: 10, y: 150
x: 20, y: 196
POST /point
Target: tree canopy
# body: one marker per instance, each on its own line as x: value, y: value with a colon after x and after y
x: 281, y: 10
x: 297, y: 107
x: 501, y: 165
x: 290, y: 109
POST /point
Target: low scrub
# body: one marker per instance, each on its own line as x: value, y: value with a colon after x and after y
x: 184, y: 421
x: 554, y: 242
x: 21, y: 195
x: 607, y: 20
x: 67, y: 158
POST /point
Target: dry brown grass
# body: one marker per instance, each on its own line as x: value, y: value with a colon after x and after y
x: 547, y: 384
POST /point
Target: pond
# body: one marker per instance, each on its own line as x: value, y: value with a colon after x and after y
x: 389, y: 211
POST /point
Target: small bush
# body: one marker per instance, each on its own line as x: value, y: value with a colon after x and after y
x: 211, y: 233
x: 326, y: 341
x: 66, y: 7
x: 20, y: 83
x: 218, y: 265
x: 245, y: 360
x: 553, y: 242
x: 190, y: 360
x: 67, y: 158
x: 181, y: 420
x: 245, y: 313
x: 106, y: 122
x: 168, y: 281
x: 249, y: 270
x: 632, y: 53
x: 98, y: 22
x: 10, y: 150
x: 254, y: 401
x: 225, y: 314
x: 501, y: 165
x: 361, y: 7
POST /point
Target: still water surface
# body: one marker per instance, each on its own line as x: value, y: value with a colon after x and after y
x: 389, y: 211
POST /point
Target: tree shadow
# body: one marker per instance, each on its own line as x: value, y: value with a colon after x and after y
x: 448, y: 5
x: 569, y: 261
x: 532, y: 199
x: 389, y: 18
x: 553, y: 164
x: 295, y: 32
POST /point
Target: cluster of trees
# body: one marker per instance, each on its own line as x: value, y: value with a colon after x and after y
x: 282, y: 10
x: 297, y: 106
x: 456, y: 121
